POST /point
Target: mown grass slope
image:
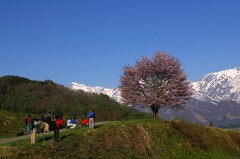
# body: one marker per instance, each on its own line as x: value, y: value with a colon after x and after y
x: 147, y: 138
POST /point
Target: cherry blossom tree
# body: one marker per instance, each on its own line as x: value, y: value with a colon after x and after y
x: 155, y: 83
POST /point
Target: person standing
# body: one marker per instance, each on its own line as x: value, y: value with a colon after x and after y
x: 91, y: 119
x: 50, y: 122
x: 58, y: 125
x: 28, y: 119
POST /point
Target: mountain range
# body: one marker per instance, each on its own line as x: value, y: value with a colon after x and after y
x: 216, y: 99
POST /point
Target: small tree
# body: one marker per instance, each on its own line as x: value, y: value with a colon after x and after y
x: 156, y: 83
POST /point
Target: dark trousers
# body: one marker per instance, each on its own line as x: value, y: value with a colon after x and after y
x: 56, y: 134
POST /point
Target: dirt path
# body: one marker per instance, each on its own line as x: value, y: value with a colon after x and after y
x: 12, y: 139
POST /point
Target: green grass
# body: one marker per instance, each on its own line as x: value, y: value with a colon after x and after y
x: 11, y: 124
x: 145, y: 138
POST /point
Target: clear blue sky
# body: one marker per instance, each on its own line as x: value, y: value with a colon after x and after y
x: 90, y: 41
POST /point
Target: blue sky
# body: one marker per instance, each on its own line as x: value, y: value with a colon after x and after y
x: 90, y: 42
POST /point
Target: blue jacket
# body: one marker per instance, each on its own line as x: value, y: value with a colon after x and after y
x: 91, y: 115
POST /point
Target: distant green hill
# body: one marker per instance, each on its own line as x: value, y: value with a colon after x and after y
x: 23, y: 96
x: 132, y: 139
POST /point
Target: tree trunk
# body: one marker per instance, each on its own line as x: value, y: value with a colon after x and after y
x: 155, y: 110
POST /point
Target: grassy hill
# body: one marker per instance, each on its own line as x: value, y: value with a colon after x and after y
x: 20, y: 96
x: 145, y: 138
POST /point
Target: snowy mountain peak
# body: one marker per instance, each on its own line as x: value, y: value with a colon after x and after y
x: 113, y: 93
x: 229, y: 73
x: 223, y: 85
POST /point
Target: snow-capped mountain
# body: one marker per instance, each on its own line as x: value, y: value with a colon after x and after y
x: 218, y: 86
x: 113, y: 93
x: 213, y: 87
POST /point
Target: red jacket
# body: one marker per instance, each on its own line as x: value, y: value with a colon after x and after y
x: 85, y: 121
x: 58, y: 123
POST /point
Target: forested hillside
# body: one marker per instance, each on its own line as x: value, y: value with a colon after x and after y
x: 19, y: 94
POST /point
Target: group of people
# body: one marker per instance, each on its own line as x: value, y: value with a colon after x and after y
x: 34, y: 125
x: 44, y: 125
x: 72, y: 123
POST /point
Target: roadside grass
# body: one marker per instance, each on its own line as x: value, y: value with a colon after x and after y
x: 134, y: 139
x: 11, y: 124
